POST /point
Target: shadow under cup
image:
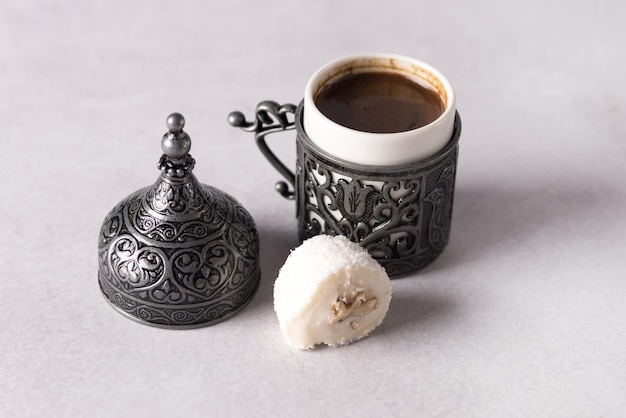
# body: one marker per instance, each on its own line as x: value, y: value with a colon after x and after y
x: 400, y: 213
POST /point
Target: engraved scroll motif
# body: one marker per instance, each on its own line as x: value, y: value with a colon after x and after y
x: 178, y: 272
x: 381, y: 216
x: 154, y: 216
x: 384, y: 213
x: 441, y: 199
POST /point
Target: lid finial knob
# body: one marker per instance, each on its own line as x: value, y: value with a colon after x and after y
x: 176, y: 143
x: 178, y: 254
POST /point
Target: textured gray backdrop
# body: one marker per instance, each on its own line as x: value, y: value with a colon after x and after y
x: 523, y: 315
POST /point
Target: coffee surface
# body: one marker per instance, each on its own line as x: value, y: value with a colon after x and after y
x: 379, y: 102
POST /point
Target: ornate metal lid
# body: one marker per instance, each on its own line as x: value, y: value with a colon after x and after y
x: 178, y: 254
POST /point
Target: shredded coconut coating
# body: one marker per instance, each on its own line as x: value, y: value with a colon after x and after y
x: 330, y: 291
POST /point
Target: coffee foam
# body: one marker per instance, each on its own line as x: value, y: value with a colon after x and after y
x: 417, y: 74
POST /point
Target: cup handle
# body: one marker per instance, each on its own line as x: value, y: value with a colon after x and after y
x: 270, y: 117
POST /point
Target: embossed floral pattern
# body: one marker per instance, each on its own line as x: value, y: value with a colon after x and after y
x: 403, y: 219
x: 178, y: 253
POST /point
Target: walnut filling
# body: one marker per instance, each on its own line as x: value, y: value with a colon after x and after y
x: 352, y: 303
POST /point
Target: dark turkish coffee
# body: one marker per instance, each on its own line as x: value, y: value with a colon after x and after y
x: 379, y: 102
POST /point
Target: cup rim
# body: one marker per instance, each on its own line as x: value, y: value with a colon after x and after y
x: 324, y: 75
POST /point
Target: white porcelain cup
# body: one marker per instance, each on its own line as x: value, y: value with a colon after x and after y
x: 379, y: 149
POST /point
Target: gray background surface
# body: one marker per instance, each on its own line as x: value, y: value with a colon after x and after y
x: 523, y: 315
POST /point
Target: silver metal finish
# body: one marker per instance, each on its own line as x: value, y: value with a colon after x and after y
x: 178, y: 254
x: 400, y: 214
x: 270, y: 117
